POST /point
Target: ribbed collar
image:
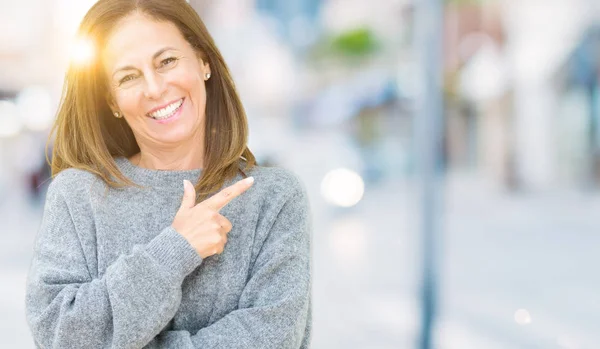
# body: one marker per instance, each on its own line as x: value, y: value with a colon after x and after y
x: 156, y: 178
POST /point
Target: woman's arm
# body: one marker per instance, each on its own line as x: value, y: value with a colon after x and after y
x: 275, y: 306
x: 126, y: 308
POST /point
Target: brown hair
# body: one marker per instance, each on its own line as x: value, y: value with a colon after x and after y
x: 88, y: 136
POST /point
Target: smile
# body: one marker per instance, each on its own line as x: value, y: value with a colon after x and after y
x: 166, y: 112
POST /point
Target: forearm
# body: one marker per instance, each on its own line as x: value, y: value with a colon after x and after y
x: 126, y: 308
x: 258, y: 328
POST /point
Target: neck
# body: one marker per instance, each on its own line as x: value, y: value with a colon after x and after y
x: 171, y: 159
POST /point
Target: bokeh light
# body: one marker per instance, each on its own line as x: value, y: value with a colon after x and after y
x: 342, y: 187
x: 35, y: 108
x: 522, y: 317
x: 10, y: 124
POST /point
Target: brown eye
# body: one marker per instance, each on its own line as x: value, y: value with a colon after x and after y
x: 168, y: 61
x: 126, y: 78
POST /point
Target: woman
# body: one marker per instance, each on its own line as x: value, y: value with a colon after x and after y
x: 128, y: 256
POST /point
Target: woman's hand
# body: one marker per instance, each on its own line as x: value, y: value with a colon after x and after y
x: 202, y: 225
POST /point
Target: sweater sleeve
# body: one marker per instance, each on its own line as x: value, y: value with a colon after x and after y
x: 128, y: 306
x: 275, y: 306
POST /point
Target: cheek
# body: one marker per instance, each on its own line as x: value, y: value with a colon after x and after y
x: 186, y: 76
x: 128, y: 101
x: 189, y: 81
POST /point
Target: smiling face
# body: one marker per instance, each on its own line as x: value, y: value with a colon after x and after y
x: 156, y: 81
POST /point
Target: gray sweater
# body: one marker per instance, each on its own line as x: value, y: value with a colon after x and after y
x: 109, y: 271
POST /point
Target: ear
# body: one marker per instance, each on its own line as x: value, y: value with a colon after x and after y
x: 110, y: 100
x: 205, y: 65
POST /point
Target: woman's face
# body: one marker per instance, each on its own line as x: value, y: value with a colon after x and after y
x: 156, y: 82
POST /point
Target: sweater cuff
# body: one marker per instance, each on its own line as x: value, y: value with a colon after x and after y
x: 174, y: 253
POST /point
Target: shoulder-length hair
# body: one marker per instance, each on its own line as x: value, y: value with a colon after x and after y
x: 88, y: 136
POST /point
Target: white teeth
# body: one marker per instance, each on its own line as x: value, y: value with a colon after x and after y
x: 166, y: 111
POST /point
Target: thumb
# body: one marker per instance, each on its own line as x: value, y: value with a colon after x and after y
x: 189, y: 195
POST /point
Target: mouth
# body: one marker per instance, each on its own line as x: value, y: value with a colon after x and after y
x: 166, y: 111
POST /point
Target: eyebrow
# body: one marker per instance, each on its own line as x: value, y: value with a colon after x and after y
x: 130, y: 67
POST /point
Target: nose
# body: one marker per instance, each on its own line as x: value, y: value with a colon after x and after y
x: 155, y: 86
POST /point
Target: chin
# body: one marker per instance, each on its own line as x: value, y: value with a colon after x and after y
x: 172, y: 138
x: 175, y: 135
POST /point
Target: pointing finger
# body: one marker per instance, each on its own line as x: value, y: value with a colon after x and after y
x: 222, y: 198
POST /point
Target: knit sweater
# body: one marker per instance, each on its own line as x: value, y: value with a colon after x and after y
x: 109, y: 270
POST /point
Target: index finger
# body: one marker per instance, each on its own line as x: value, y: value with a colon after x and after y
x: 222, y: 198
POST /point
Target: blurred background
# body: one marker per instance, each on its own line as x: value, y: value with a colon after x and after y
x: 334, y: 90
